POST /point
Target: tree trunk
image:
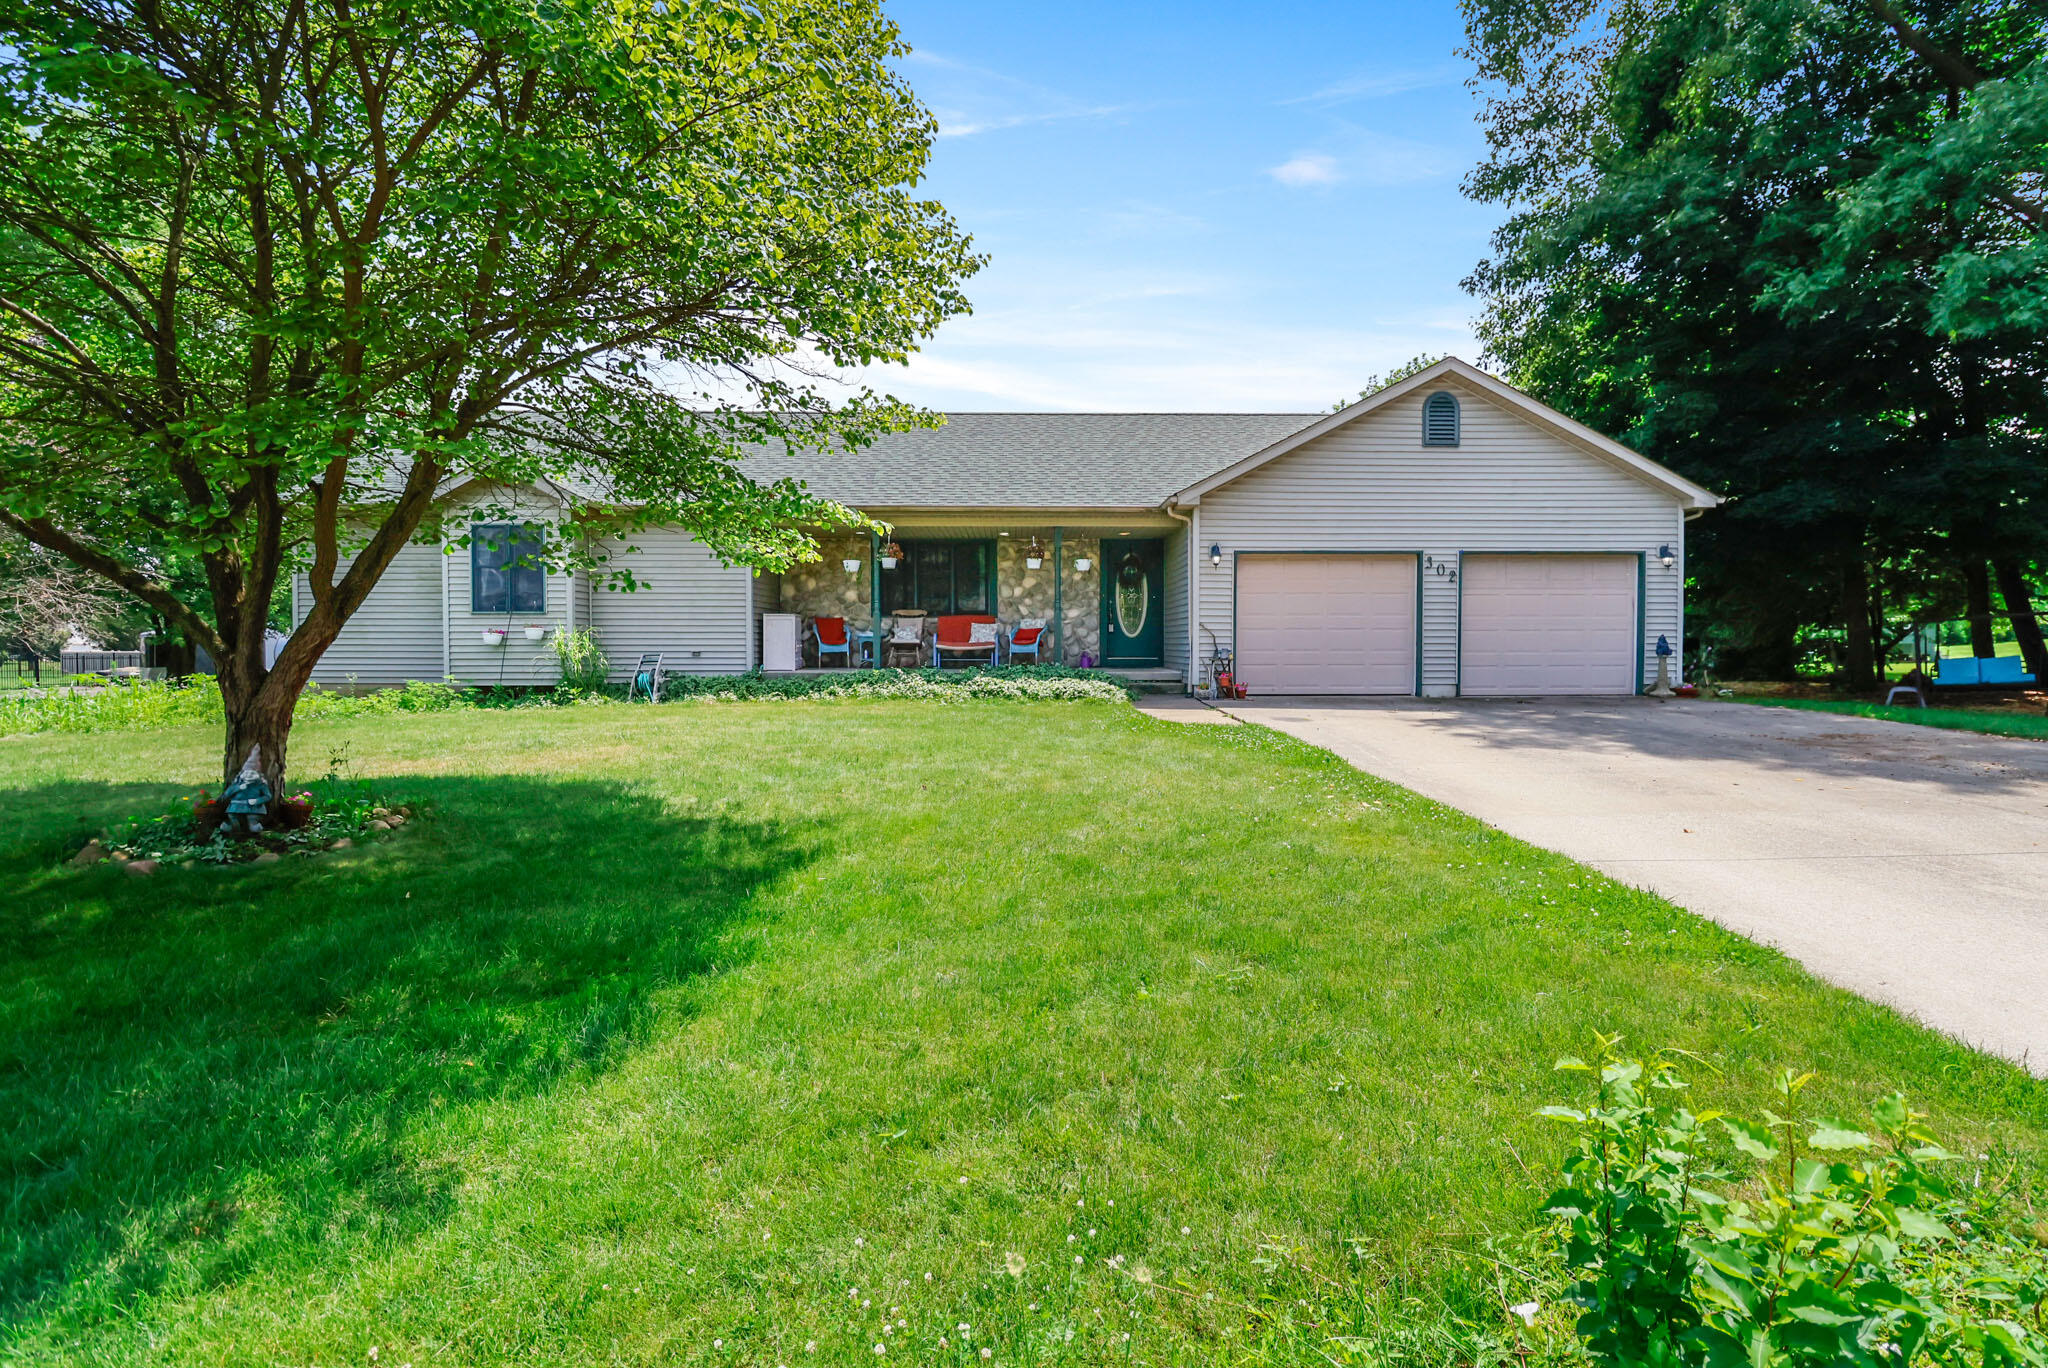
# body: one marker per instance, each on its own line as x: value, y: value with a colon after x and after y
x: 2019, y: 606
x: 1859, y: 674
x: 261, y: 716
x: 1977, y: 607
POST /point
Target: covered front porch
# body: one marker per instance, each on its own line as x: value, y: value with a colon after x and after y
x: 1110, y: 592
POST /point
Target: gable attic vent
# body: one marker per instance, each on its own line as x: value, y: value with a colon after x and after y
x: 1440, y: 419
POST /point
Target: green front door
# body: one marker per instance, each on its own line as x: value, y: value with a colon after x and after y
x: 1133, y: 603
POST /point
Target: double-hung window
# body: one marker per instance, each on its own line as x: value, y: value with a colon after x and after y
x: 506, y: 573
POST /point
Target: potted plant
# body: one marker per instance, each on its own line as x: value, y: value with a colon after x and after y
x: 1034, y: 554
x: 1081, y: 564
x: 536, y: 631
x: 494, y: 636
x: 891, y: 553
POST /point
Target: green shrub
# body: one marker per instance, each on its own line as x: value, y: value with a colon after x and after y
x: 1045, y: 682
x: 1710, y: 1240
x: 584, y: 668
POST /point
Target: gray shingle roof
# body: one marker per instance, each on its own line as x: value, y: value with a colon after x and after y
x: 1035, y: 460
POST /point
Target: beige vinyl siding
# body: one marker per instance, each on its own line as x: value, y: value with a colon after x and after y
x: 689, y: 607
x: 396, y: 635
x: 1508, y: 486
x: 1174, y: 650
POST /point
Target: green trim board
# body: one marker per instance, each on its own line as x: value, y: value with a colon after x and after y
x: 1059, y: 611
x: 1642, y: 611
x: 1237, y: 557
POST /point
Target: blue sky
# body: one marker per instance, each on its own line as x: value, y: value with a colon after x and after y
x: 1195, y: 206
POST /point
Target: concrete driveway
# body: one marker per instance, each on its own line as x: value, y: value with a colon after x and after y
x: 1905, y: 863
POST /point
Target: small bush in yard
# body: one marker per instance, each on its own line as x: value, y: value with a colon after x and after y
x: 1702, y: 1239
x: 583, y: 667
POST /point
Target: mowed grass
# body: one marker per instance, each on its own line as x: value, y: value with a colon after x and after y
x: 1986, y: 721
x: 670, y: 1027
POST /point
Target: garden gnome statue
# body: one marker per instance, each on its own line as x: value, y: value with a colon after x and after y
x: 248, y: 797
x: 1662, y: 688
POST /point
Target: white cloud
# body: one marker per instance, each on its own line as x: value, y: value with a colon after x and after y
x: 1307, y: 168
x: 1379, y: 85
x: 1097, y: 340
x: 969, y: 99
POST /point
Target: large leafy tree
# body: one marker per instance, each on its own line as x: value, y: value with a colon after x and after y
x: 274, y: 274
x: 1691, y: 258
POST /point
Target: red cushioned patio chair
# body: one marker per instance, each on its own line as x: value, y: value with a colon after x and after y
x: 1028, y: 640
x: 956, y: 635
x: 830, y: 635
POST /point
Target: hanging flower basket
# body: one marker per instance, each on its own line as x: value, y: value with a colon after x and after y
x: 890, y: 554
x: 535, y: 632
x: 1034, y: 554
x: 494, y: 636
x: 1081, y: 564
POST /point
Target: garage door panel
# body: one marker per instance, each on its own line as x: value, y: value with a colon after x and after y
x: 1309, y: 624
x: 1547, y: 625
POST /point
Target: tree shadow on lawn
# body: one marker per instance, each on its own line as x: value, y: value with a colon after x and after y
x: 201, y: 1070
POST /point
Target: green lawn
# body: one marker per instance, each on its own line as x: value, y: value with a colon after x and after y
x: 2033, y: 726
x: 668, y: 1027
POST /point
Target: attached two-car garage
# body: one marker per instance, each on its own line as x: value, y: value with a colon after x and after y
x: 1526, y: 624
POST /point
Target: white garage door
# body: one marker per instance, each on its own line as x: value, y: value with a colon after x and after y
x: 1547, y: 625
x: 1326, y: 624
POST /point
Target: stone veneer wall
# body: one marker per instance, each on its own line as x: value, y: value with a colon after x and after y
x: 823, y: 588
x: 1022, y: 592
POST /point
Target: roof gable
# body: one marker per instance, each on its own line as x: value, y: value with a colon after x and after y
x: 1451, y: 368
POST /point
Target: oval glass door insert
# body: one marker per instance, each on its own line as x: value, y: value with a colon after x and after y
x: 1133, y: 595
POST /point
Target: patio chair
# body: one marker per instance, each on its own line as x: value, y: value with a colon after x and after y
x: 646, y: 678
x: 832, y: 638
x: 972, y: 636
x: 905, y: 642
x: 1027, y: 640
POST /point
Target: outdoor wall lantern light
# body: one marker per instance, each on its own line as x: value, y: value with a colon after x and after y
x: 1216, y: 554
x: 1665, y: 558
x: 1034, y: 554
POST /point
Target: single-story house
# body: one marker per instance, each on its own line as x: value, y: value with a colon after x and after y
x: 1444, y: 536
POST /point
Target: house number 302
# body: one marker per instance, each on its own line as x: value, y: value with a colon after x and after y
x: 1443, y: 570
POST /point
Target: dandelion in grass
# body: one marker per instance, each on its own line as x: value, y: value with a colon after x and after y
x: 1143, y: 1274
x: 988, y: 1353
x: 810, y: 1346
x: 881, y: 1348
x: 1186, y: 1231
x: 1091, y: 1232
x: 1015, y: 1263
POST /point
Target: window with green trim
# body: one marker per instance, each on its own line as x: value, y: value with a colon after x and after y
x: 942, y: 577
